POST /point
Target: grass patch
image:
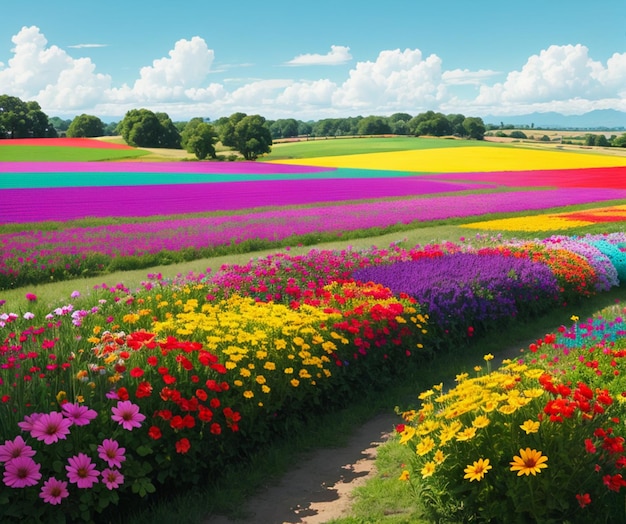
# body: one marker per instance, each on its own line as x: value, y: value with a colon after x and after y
x: 358, y: 146
x: 66, y: 154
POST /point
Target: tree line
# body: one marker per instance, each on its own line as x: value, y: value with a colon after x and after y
x: 250, y: 135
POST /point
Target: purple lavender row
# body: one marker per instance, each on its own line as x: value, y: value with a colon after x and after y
x: 467, y: 289
x: 152, y: 237
x: 69, y: 203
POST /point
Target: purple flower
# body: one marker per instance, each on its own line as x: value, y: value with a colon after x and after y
x: 21, y: 472
x: 53, y: 491
x: 111, y: 452
x: 29, y: 420
x: 81, y: 471
x: 12, y: 449
x: 51, y: 427
x: 112, y: 478
x: 77, y: 414
x: 127, y: 415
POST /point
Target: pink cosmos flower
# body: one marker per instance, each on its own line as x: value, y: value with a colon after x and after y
x: 111, y: 453
x: 77, y: 414
x: 21, y: 472
x: 81, y: 471
x: 127, y: 415
x: 54, y: 491
x: 31, y: 297
x: 29, y: 420
x: 12, y: 449
x: 51, y: 427
x: 112, y: 478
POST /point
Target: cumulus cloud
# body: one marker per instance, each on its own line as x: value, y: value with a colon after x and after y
x: 338, y: 55
x: 182, y: 83
x: 168, y: 78
x: 556, y: 75
x: 396, y: 79
x: 49, y: 75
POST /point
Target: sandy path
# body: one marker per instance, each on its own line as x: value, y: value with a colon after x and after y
x: 319, y: 487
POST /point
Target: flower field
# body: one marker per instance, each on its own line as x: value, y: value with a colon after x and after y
x: 203, y: 207
x: 118, y: 396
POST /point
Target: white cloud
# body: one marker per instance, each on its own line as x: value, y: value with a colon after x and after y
x: 397, y: 80
x: 168, y: 78
x: 87, y: 46
x: 467, y: 77
x: 338, y: 55
x: 560, y: 78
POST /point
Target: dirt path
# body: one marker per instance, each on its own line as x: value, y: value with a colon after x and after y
x: 319, y: 487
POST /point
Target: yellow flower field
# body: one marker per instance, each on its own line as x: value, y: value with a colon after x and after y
x: 554, y: 221
x: 465, y: 159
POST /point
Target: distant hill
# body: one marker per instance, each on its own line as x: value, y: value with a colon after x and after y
x: 594, y: 120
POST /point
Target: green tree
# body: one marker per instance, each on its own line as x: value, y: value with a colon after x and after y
x: 430, y: 123
x: 85, y: 126
x: 19, y: 119
x: 619, y: 141
x: 59, y: 124
x: 474, y: 127
x: 252, y: 137
x: 601, y: 141
x: 456, y: 121
x: 200, y: 140
x: 226, y: 129
x: 143, y: 128
x: 374, y: 125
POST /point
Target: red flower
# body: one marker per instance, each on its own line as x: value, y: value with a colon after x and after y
x: 144, y: 389
x: 152, y: 360
x: 583, y: 500
x: 216, y: 429
x: 169, y: 379
x: 614, y: 482
x: 154, y: 433
x: 201, y: 394
x: 136, y: 372
x: 183, y: 445
x: 122, y: 393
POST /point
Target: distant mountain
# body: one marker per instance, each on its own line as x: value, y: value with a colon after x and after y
x: 598, y: 119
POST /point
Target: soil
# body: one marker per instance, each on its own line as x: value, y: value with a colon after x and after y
x: 319, y: 488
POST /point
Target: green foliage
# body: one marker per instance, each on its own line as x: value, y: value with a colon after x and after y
x: 143, y: 128
x: 250, y: 136
x: 374, y: 125
x: 518, y: 134
x: 85, y: 126
x: 19, y: 119
x: 199, y: 138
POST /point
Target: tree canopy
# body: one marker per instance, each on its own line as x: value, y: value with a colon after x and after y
x: 19, y: 119
x: 248, y: 134
x: 85, y: 126
x: 199, y: 137
x: 143, y: 128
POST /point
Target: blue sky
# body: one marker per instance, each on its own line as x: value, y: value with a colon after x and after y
x: 314, y: 60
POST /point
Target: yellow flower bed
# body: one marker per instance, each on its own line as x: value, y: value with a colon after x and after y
x: 553, y: 221
x: 464, y: 159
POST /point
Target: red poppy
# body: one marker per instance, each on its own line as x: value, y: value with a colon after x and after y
x: 136, y: 372
x: 154, y: 433
x: 183, y: 445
